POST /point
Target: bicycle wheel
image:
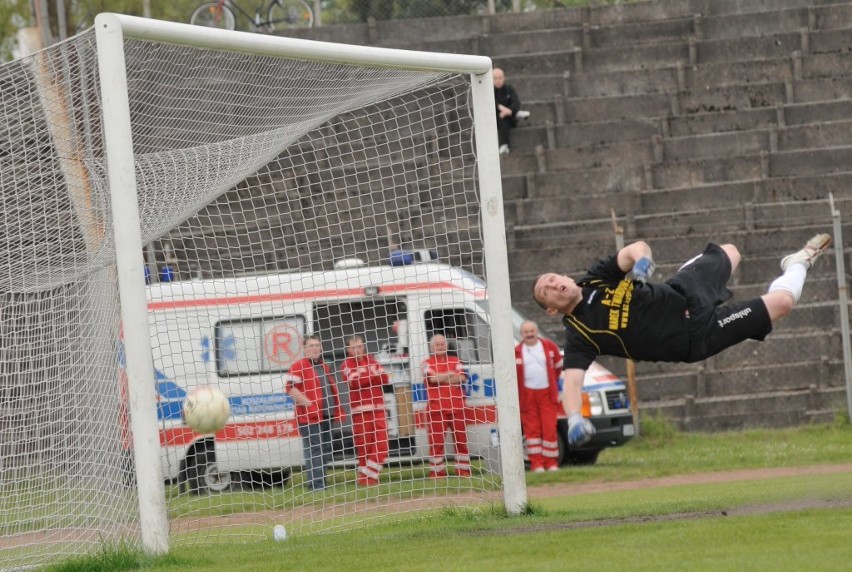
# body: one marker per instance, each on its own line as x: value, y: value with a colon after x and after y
x: 289, y: 14
x: 214, y: 15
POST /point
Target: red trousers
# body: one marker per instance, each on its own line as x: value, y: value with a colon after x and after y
x: 538, y: 419
x: 370, y: 433
x: 441, y: 421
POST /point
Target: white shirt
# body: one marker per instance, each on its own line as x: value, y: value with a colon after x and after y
x: 535, y: 367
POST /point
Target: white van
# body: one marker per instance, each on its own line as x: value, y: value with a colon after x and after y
x: 242, y: 334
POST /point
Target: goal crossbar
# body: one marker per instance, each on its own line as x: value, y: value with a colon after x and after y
x: 293, y: 48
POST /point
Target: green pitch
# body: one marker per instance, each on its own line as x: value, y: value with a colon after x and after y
x: 778, y: 523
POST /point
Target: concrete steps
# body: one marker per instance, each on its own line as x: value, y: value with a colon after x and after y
x: 750, y: 410
x: 689, y: 76
x: 697, y: 160
x: 794, y: 188
x: 694, y: 121
x: 573, y: 246
x: 719, y: 221
x: 538, y: 132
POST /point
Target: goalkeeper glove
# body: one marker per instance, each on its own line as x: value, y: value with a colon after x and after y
x: 643, y: 269
x: 580, y: 430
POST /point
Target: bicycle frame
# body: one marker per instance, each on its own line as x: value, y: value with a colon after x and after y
x: 255, y: 19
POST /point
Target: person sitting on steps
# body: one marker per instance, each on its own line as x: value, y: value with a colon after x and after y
x: 508, y: 107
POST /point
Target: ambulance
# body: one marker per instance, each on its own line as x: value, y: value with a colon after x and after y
x: 242, y: 334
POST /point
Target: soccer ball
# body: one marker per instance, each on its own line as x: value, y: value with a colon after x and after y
x: 279, y: 533
x: 206, y: 409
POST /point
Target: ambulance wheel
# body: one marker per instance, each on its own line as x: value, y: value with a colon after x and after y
x: 202, y: 473
x: 214, y: 480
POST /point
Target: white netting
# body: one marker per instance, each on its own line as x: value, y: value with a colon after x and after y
x: 256, y: 175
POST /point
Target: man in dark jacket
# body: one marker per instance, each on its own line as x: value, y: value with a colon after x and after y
x: 312, y: 387
x: 508, y: 105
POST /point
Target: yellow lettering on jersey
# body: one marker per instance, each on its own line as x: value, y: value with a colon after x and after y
x: 618, y: 300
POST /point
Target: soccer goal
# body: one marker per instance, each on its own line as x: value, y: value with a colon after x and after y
x: 186, y: 207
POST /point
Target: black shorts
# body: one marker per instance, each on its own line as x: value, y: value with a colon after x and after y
x: 713, y: 327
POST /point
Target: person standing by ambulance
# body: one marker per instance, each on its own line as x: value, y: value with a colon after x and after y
x: 444, y: 376
x: 311, y: 385
x: 539, y: 365
x: 366, y: 379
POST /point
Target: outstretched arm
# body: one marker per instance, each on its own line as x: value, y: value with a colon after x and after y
x: 572, y: 389
x: 580, y: 429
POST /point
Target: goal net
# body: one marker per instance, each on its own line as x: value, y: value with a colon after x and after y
x: 274, y: 195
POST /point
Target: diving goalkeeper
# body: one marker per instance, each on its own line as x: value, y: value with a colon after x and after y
x: 680, y: 320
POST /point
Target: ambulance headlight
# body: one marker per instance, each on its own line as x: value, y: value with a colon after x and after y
x: 595, y: 404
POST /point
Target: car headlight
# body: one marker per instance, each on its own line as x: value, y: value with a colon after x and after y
x: 595, y: 404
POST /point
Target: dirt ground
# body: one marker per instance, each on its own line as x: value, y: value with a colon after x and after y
x: 387, y: 506
x: 567, y: 489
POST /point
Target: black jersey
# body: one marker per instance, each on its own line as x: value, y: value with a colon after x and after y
x: 625, y: 318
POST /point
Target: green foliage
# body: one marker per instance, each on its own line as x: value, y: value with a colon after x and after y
x: 656, y: 428
x: 841, y: 419
x: 112, y: 557
x: 14, y: 14
x: 533, y: 509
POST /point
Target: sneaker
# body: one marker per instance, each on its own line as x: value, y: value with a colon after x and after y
x: 538, y: 470
x: 553, y: 468
x: 462, y: 473
x: 522, y: 114
x: 504, y: 149
x: 808, y: 255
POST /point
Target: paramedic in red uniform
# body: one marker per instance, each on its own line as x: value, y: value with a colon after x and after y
x: 444, y: 376
x: 366, y: 378
x: 311, y: 385
x: 539, y: 365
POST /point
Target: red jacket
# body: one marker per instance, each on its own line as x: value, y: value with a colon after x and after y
x: 554, y: 369
x: 365, y: 378
x: 443, y: 396
x: 303, y: 377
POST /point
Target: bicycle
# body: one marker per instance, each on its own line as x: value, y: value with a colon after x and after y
x: 285, y: 14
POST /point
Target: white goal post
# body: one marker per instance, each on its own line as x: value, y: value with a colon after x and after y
x: 207, y: 201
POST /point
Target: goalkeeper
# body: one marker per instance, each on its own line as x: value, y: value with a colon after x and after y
x: 680, y: 320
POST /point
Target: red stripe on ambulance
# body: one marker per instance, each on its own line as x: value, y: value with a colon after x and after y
x: 281, y: 429
x: 309, y: 295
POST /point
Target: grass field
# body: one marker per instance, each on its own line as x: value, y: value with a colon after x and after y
x: 607, y: 515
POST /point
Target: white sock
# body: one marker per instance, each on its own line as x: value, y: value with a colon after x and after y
x: 792, y: 281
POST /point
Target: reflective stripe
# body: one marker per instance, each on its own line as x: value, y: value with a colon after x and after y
x: 369, y: 472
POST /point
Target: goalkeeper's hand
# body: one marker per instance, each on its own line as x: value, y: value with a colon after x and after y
x: 643, y: 269
x: 580, y: 430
